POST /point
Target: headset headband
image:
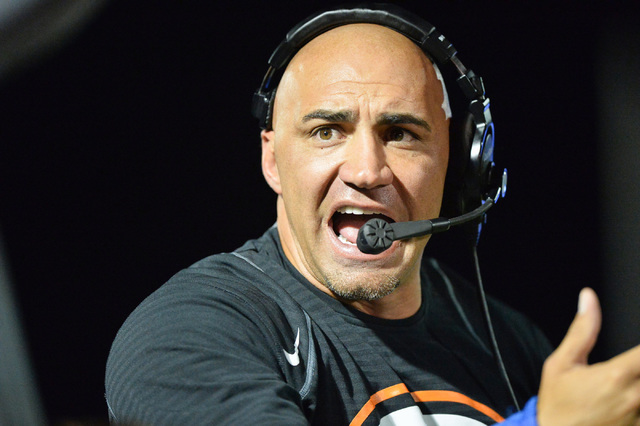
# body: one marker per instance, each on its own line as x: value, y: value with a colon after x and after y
x: 434, y: 44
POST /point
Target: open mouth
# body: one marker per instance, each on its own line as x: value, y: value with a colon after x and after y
x: 347, y: 221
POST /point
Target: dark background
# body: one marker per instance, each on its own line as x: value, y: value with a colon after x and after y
x: 131, y: 153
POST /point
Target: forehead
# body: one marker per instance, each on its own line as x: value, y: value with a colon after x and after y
x: 358, y: 60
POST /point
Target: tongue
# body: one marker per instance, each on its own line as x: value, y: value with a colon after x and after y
x: 348, y: 225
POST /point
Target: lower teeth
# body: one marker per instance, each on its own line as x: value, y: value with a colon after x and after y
x: 344, y: 240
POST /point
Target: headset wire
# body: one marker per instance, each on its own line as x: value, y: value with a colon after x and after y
x: 492, y: 335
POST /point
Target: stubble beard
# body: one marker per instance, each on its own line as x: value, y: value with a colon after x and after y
x: 352, y: 288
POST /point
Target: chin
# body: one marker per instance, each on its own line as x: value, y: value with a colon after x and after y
x: 347, y: 287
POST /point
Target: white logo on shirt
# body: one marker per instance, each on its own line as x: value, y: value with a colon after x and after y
x: 412, y: 416
x: 294, y: 358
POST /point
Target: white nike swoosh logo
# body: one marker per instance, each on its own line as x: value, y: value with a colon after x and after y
x: 294, y: 358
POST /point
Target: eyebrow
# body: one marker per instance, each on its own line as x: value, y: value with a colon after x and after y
x: 391, y: 119
x: 330, y: 116
x: 347, y: 116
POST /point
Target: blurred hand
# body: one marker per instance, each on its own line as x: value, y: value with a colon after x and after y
x: 575, y: 393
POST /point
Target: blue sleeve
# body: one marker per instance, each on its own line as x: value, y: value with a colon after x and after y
x: 526, y: 417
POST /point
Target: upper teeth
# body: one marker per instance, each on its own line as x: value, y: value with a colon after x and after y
x: 355, y: 210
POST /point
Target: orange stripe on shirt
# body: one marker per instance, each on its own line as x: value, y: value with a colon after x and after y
x: 421, y: 396
x: 450, y: 396
x: 377, y: 398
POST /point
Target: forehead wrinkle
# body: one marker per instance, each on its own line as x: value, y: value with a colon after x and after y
x: 385, y: 83
x: 397, y: 98
x: 346, y: 91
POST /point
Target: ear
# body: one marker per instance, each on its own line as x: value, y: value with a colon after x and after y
x: 269, y: 166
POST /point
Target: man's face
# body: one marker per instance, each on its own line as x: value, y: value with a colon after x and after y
x: 358, y: 131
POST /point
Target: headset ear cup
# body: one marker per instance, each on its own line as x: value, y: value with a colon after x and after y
x: 461, y: 132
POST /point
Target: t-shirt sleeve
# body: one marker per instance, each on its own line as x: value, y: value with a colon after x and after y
x: 526, y: 417
x: 198, y: 354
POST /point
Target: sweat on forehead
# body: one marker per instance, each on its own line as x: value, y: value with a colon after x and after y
x: 350, y: 50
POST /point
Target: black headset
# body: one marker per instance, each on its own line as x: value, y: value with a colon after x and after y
x: 472, y: 173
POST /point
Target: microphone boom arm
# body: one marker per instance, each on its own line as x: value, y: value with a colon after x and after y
x: 377, y: 235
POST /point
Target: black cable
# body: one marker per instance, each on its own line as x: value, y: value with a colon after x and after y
x: 492, y: 335
x: 489, y: 202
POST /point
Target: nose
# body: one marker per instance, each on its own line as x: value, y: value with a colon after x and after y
x: 365, y: 163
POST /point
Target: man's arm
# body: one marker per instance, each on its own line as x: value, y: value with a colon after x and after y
x: 575, y: 393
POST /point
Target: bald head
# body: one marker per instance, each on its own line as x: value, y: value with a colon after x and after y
x: 362, y: 54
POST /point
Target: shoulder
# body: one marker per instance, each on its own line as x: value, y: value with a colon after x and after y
x: 218, y: 324
x: 218, y: 294
x: 219, y: 285
x: 202, y: 292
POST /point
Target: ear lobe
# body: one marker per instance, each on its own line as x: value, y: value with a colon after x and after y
x: 269, y: 167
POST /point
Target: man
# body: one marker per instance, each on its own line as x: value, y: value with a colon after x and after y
x: 301, y: 327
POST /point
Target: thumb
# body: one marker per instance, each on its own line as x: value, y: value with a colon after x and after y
x: 583, y: 332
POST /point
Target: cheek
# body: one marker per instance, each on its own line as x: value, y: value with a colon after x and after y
x: 298, y: 176
x: 422, y: 181
x: 427, y: 178
x: 305, y: 178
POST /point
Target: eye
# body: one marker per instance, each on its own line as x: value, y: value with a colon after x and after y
x: 398, y: 134
x: 326, y: 133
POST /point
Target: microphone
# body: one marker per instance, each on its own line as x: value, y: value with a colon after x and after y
x: 377, y: 235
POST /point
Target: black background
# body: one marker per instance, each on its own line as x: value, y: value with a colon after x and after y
x: 131, y: 153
